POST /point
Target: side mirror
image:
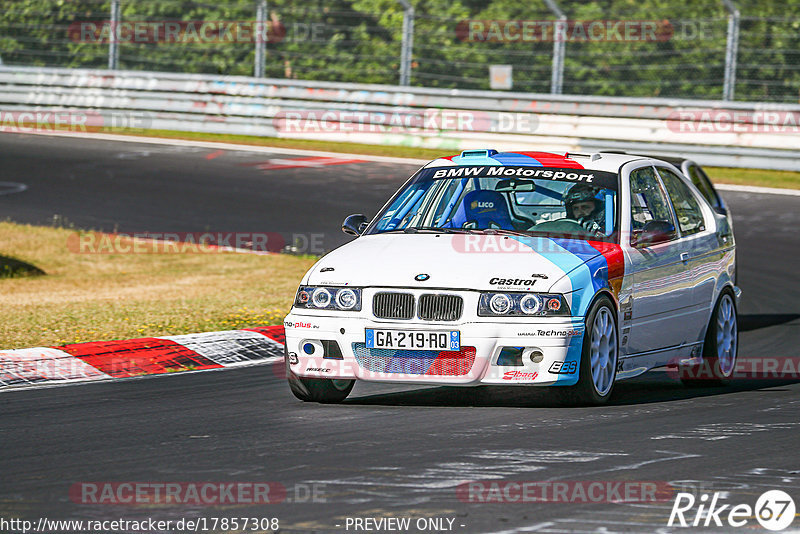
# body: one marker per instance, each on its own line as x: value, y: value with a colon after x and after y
x: 655, y: 232
x: 355, y: 224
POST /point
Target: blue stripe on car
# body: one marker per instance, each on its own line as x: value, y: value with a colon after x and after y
x: 595, y: 262
x: 506, y: 158
x: 475, y: 160
x: 571, y: 256
x: 512, y: 158
x: 573, y: 355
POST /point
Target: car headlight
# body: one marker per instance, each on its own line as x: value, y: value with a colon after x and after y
x: 321, y: 298
x: 328, y: 298
x: 521, y: 304
x: 346, y: 299
x: 499, y: 304
x: 530, y: 304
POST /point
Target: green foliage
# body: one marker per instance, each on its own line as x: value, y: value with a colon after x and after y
x: 360, y: 41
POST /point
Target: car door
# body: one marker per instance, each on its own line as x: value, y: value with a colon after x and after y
x: 699, y: 247
x: 661, y: 291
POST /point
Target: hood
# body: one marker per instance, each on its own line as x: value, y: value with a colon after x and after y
x: 458, y: 261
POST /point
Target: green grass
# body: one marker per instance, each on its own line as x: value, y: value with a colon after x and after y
x: 94, y: 297
x: 764, y: 178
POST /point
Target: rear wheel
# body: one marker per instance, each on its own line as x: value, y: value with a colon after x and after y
x: 599, y: 356
x: 324, y: 390
x: 720, y: 348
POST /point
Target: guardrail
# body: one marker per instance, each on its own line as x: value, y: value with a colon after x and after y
x: 733, y: 134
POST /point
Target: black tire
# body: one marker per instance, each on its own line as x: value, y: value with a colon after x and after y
x: 716, y: 371
x: 585, y: 392
x: 324, y: 390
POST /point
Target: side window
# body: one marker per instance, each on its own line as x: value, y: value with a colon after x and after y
x: 702, y: 183
x: 687, y: 209
x: 648, y: 202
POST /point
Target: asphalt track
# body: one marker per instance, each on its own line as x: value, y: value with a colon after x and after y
x: 130, y: 187
x: 388, y: 450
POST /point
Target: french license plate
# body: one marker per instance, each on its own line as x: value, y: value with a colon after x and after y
x: 413, y: 339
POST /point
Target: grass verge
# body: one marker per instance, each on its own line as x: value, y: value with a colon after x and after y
x: 759, y: 177
x: 95, y: 297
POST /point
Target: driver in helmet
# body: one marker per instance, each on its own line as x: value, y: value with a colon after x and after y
x: 582, y: 205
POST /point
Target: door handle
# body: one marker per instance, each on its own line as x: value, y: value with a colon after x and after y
x: 684, y: 257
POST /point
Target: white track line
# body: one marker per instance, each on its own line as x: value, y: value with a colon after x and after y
x: 758, y: 190
x: 13, y: 187
x: 299, y: 152
x: 232, y: 146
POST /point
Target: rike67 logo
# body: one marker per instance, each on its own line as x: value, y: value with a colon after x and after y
x: 774, y: 510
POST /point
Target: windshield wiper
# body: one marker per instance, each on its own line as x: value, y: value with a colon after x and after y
x: 503, y: 231
x: 432, y: 229
x: 429, y: 229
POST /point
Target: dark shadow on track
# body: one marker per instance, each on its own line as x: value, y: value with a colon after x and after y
x: 649, y: 391
x: 12, y: 268
x: 638, y: 391
x: 749, y: 322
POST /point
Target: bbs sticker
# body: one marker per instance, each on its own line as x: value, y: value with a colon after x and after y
x: 564, y: 368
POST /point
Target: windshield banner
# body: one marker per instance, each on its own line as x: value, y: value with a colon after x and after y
x: 597, y: 178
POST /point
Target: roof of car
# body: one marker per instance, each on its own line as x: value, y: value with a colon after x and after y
x: 606, y: 161
x: 674, y: 160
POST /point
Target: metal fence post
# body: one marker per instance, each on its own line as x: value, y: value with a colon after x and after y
x: 559, y: 48
x: 113, y: 44
x: 408, y: 42
x: 261, y: 41
x: 731, y: 50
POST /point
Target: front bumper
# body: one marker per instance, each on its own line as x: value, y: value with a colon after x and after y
x: 550, y: 355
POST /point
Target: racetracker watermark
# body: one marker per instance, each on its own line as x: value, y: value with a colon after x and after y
x: 31, y: 121
x: 176, y: 31
x: 193, y: 243
x: 197, y: 493
x: 574, y: 31
x: 35, y: 365
x: 746, y: 368
x: 403, y: 122
x: 503, y: 244
x: 568, y: 491
x: 733, y: 121
x: 426, y: 364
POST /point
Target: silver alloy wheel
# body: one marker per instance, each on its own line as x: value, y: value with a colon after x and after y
x: 603, y: 351
x: 727, y: 334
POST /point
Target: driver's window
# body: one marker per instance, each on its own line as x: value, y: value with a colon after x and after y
x: 648, y: 202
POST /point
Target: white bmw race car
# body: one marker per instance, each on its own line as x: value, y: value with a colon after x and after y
x: 522, y: 268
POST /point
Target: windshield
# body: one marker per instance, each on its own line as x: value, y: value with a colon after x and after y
x: 529, y: 200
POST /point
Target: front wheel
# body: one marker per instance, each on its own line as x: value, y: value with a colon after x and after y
x: 324, y: 390
x: 599, y: 356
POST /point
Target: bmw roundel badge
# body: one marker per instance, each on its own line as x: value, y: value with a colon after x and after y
x: 422, y: 277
